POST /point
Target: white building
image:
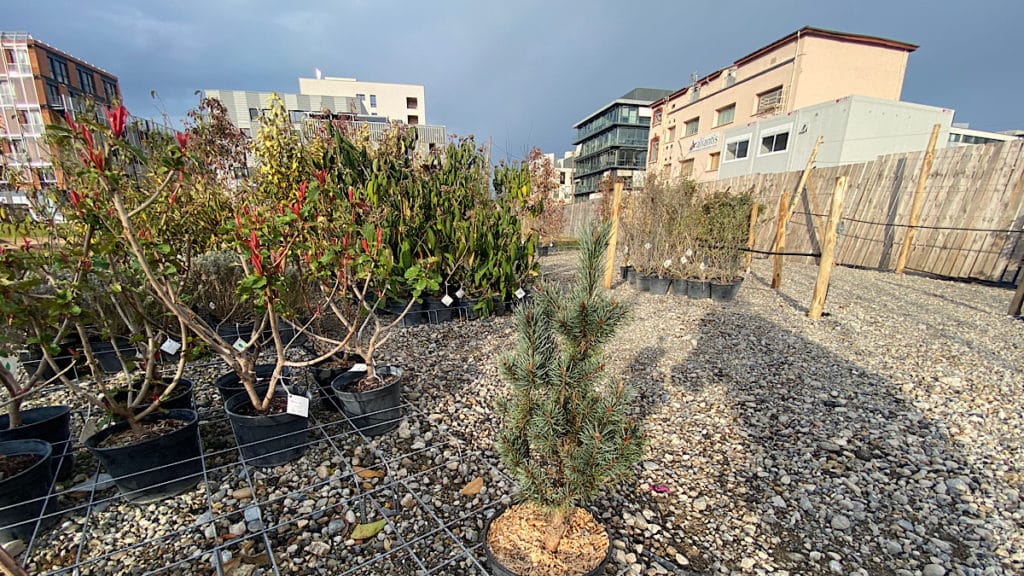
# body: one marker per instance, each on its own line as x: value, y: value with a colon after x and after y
x: 565, y: 167
x: 403, y: 103
x: 853, y: 129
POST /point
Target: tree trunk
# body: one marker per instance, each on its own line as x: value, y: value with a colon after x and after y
x: 11, y: 385
x: 558, y: 523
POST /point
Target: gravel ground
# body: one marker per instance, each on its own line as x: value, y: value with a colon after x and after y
x: 885, y: 438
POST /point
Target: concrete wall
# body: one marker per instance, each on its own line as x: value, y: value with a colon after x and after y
x: 391, y: 99
x: 829, y: 69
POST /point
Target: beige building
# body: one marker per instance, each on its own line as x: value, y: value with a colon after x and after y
x: 397, y: 102
x: 806, y: 67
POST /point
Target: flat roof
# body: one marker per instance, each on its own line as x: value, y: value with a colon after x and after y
x: 630, y: 98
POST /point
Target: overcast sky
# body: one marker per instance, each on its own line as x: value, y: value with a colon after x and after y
x: 521, y: 72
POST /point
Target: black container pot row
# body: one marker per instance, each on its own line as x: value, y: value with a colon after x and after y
x: 689, y: 287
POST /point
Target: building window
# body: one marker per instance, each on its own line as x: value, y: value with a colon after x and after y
x: 412, y: 103
x: 736, y: 150
x: 58, y: 69
x: 713, y: 160
x: 362, y: 97
x: 110, y: 90
x: 672, y: 134
x: 692, y: 126
x: 31, y: 121
x: 725, y: 115
x: 87, y: 81
x: 413, y: 120
x: 373, y: 100
x: 657, y: 117
x: 654, y: 151
x: 254, y: 113
x: 296, y: 116
x: 18, y: 62
x: 686, y: 168
x: 53, y: 95
x: 6, y: 93
x: 46, y: 175
x: 774, y: 143
x: 561, y: 177
x: 770, y: 102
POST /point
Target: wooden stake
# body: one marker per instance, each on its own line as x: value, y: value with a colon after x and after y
x: 609, y: 268
x: 915, y: 209
x: 803, y: 179
x: 752, y: 235
x: 1018, y: 298
x: 9, y: 566
x: 828, y: 250
x: 780, y: 240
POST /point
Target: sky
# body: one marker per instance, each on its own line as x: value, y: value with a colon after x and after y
x: 518, y: 72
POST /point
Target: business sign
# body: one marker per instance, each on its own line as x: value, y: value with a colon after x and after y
x: 704, y: 142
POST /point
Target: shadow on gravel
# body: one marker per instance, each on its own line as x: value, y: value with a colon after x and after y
x: 814, y: 460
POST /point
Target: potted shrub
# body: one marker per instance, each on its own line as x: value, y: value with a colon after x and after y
x: 565, y: 430
x: 25, y: 478
x: 727, y: 222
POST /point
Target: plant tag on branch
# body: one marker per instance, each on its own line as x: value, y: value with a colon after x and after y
x: 298, y: 405
x: 358, y: 368
x: 239, y: 345
x: 9, y: 363
x: 460, y: 293
x: 447, y: 300
x: 520, y: 293
x: 170, y: 346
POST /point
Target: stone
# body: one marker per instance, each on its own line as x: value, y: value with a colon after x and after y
x: 14, y: 547
x: 700, y: 504
x: 335, y: 527
x: 242, y: 493
x: 237, y: 528
x: 408, y: 501
x: 318, y: 548
x: 840, y: 522
x: 934, y: 570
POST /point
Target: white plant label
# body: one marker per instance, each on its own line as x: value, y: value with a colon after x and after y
x: 212, y: 306
x: 460, y: 293
x: 298, y: 405
x: 88, y: 429
x: 9, y: 363
x: 447, y: 300
x: 170, y: 346
x: 520, y: 293
x: 239, y: 345
x: 358, y: 368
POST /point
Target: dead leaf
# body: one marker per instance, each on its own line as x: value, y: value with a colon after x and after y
x: 366, y: 473
x: 367, y: 531
x: 473, y: 488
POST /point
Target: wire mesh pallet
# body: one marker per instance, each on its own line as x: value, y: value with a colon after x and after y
x: 296, y: 518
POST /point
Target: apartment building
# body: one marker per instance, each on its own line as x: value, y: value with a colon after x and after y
x: 612, y: 141
x: 404, y: 103
x: 244, y: 107
x: 38, y: 83
x: 807, y: 67
x: 565, y: 168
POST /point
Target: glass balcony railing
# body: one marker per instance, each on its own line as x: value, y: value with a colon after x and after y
x: 618, y: 115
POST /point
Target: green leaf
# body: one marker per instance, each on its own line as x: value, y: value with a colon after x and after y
x: 367, y: 531
x: 164, y: 249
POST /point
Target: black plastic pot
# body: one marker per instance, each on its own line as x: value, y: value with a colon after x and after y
x: 324, y: 374
x: 23, y: 496
x: 106, y: 356
x: 698, y: 289
x: 631, y: 276
x: 414, y: 317
x: 232, y: 332
x: 31, y: 358
x: 48, y: 423
x: 156, y: 468
x: 624, y: 270
x: 660, y: 285
x: 435, y: 310
x: 725, y: 292
x: 643, y: 282
x: 543, y: 250
x: 230, y: 384
x: 267, y: 440
x: 181, y: 397
x: 374, y: 412
x: 498, y: 569
x: 678, y: 287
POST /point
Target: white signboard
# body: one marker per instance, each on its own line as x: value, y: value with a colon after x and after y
x: 704, y: 142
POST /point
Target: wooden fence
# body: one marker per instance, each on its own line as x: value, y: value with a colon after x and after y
x: 971, y: 224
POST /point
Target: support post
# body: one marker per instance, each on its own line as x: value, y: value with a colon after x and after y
x: 1018, y: 298
x: 9, y: 566
x: 802, y: 183
x: 609, y: 269
x: 780, y: 239
x: 828, y: 250
x: 752, y: 234
x: 915, y: 209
